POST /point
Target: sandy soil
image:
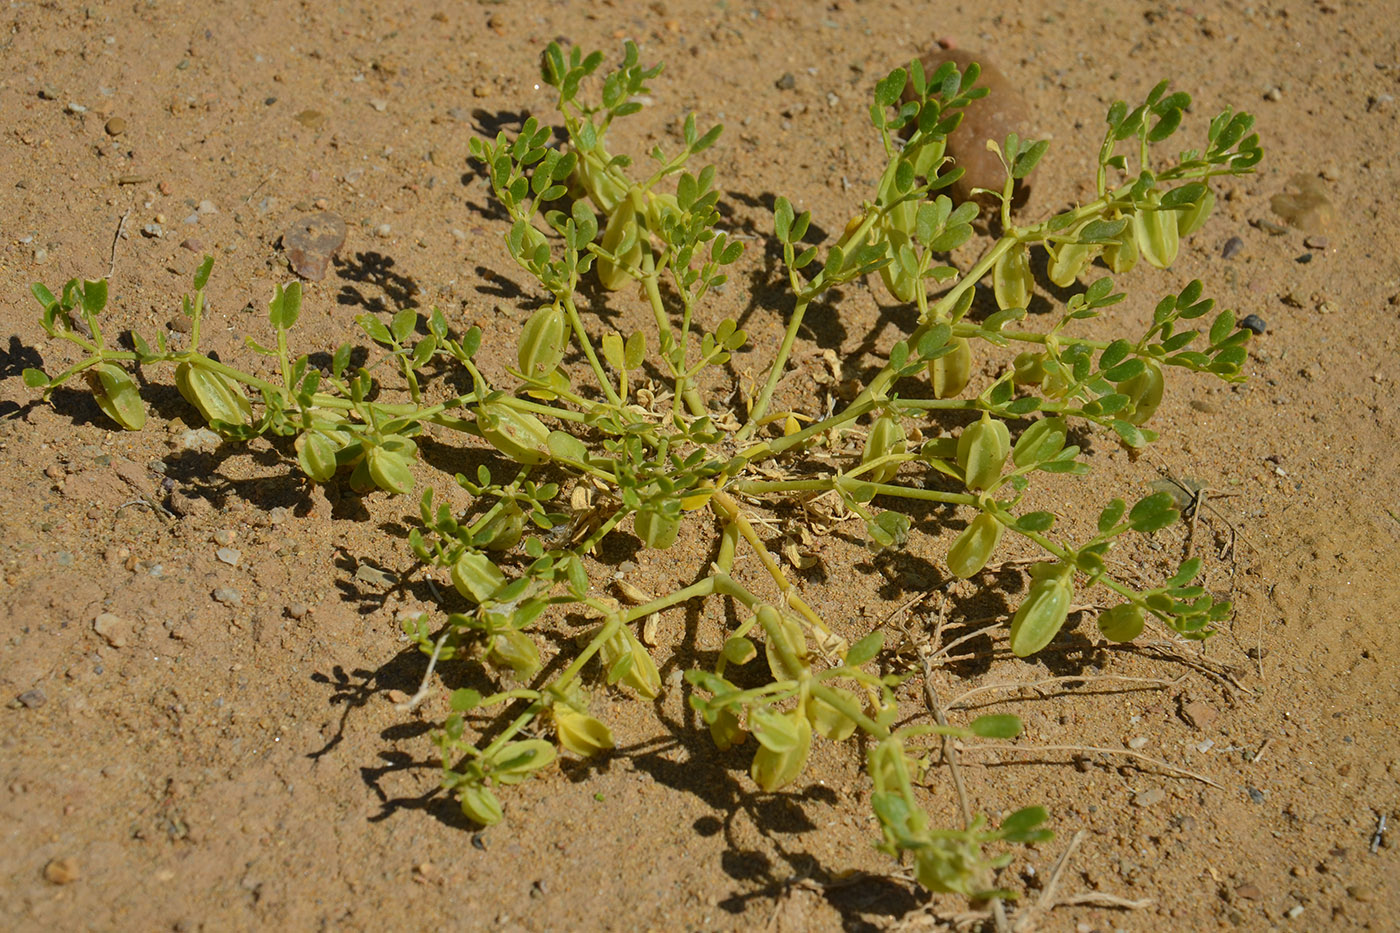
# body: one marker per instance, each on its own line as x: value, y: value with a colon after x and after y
x: 235, y: 762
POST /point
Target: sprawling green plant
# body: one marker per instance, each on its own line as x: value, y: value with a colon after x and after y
x: 637, y: 433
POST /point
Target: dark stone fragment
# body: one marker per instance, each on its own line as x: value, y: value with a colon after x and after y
x: 1254, y: 324
x: 33, y: 699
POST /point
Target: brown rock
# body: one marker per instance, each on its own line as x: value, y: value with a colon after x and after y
x: 116, y: 126
x: 311, y: 119
x: 1199, y: 715
x: 1001, y: 112
x: 311, y: 242
x: 1248, y: 891
x: 62, y: 871
x: 113, y: 628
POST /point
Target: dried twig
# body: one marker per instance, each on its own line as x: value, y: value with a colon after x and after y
x: 1171, y: 652
x: 1048, y: 900
x: 950, y: 751
x: 259, y: 186
x: 1125, y: 752
x: 1100, y: 899
x: 1153, y: 683
x: 950, y: 748
x: 413, y: 701
x: 112, y: 259
x: 1027, y: 920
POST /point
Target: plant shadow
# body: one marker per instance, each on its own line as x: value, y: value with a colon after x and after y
x: 372, y: 271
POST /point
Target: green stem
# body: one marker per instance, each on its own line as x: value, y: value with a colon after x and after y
x: 927, y: 495
x: 569, y: 673
x: 728, y: 543
x: 651, y: 281
x: 775, y: 373
x: 577, y: 324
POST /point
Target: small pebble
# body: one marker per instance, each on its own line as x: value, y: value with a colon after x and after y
x: 199, y: 440
x: 1136, y: 742
x: 1255, y: 794
x: 787, y: 82
x: 1150, y: 797
x: 1304, y: 259
x: 383, y: 230
x: 206, y: 207
x: 1359, y: 893
x: 1273, y: 94
x: 379, y: 104
x: 296, y: 610
x: 224, y: 537
x: 192, y: 245
x: 48, y: 92
x: 153, y: 231
x: 74, y: 107
x: 115, y: 630
x: 228, y: 596
x: 229, y: 555
x: 374, y: 576
x: 1198, y: 714
x: 62, y: 871
x: 311, y: 119
x: 41, y: 255
x: 1254, y: 324
x: 33, y: 699
x: 1294, y: 912
x: 311, y: 242
x: 115, y: 126
x: 1232, y: 248
x: 1315, y: 242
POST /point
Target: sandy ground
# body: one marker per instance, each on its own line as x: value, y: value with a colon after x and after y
x: 233, y: 762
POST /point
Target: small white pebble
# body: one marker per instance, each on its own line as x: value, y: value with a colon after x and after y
x: 382, y: 230
x: 1138, y: 741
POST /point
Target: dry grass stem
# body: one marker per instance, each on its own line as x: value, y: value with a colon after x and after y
x: 1151, y: 683
x: 1079, y: 749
